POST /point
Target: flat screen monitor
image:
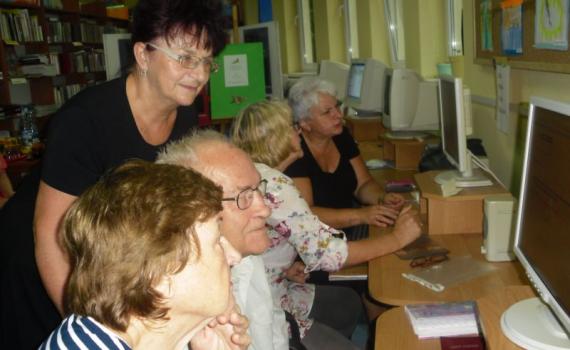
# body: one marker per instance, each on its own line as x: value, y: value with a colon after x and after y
x: 336, y: 73
x: 118, y: 51
x: 365, y: 86
x: 542, y: 237
x: 268, y: 35
x: 454, y: 139
x: 411, y: 104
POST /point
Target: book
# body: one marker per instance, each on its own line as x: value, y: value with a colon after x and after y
x: 444, y: 320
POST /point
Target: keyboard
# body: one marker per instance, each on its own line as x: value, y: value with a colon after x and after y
x: 357, y: 233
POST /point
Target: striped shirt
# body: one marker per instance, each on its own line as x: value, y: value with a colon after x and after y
x: 78, y: 332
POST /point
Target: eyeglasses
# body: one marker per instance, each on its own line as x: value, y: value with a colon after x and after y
x: 188, y: 61
x: 244, y: 199
x: 427, y: 261
x: 336, y: 107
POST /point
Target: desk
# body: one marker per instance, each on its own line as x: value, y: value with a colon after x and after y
x: 462, y: 213
x: 393, y: 329
x: 386, y: 284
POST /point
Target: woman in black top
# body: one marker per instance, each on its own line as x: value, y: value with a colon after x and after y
x: 174, y: 42
x: 332, y: 175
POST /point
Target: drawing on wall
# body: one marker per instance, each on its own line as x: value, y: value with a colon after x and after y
x: 551, y: 24
x: 235, y: 70
x: 486, y: 25
x: 511, y: 27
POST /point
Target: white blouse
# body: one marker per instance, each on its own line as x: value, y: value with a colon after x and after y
x: 295, y: 230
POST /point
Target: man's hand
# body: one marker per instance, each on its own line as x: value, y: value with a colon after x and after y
x: 296, y: 273
x: 225, y: 332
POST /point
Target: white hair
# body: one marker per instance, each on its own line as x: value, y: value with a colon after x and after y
x: 304, y: 94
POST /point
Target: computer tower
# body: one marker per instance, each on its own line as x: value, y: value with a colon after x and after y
x: 498, y: 227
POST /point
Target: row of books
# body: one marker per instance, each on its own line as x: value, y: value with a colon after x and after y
x: 79, y: 61
x: 53, y: 4
x: 16, y: 25
x: 58, y: 31
x: 64, y: 93
x: 444, y: 320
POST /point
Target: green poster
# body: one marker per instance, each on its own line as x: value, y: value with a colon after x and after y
x: 239, y: 82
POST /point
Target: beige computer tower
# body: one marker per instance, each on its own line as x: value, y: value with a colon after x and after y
x: 498, y: 227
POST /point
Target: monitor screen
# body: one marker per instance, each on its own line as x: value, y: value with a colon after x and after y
x: 387, y: 91
x: 454, y: 139
x: 119, y: 56
x: 449, y: 121
x: 355, y: 80
x: 411, y: 104
x: 542, y: 238
x: 365, y: 87
x: 267, y: 34
x: 336, y: 73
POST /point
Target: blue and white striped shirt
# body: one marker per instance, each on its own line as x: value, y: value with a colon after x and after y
x: 78, y: 332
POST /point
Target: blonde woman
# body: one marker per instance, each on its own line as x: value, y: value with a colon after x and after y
x: 266, y: 131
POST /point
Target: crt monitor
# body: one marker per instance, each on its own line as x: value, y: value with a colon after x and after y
x: 454, y: 139
x: 268, y: 34
x: 119, y: 55
x: 336, y: 73
x: 365, y: 86
x: 411, y: 104
x: 542, y: 237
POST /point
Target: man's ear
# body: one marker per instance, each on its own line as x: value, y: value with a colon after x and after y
x: 305, y: 125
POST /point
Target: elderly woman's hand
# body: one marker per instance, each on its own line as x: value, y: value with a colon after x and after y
x: 378, y: 215
x: 225, y: 332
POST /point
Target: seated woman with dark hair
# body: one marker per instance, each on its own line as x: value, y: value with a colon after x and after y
x: 266, y: 131
x: 149, y: 267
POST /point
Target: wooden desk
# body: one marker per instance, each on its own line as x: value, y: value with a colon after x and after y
x: 462, y: 213
x: 386, y: 284
x: 394, y: 331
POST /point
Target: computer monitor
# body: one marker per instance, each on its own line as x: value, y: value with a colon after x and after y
x: 542, y: 238
x: 119, y: 56
x: 366, y: 86
x: 268, y: 34
x: 411, y: 104
x: 336, y: 73
x: 454, y: 139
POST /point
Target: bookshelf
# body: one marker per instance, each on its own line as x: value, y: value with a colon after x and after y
x: 50, y: 50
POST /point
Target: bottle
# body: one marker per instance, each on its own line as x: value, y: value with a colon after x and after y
x: 29, y: 130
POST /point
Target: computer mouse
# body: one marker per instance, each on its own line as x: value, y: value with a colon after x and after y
x: 375, y: 163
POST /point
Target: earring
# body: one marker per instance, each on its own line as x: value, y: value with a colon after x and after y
x: 142, y: 72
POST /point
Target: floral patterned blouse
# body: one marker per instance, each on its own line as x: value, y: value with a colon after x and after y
x: 295, y: 230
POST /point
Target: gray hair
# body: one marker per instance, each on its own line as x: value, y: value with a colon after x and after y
x: 188, y: 151
x: 304, y: 94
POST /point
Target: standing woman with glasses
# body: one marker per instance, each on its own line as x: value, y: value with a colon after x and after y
x: 174, y: 42
x: 332, y: 175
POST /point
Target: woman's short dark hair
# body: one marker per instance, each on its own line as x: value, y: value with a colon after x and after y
x: 167, y: 18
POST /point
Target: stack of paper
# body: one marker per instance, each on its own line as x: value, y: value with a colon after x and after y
x: 440, y: 320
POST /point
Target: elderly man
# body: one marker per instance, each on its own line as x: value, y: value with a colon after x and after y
x: 242, y: 224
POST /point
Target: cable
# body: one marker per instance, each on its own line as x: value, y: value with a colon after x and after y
x: 485, y: 168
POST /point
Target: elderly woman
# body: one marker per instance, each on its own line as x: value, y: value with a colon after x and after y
x: 266, y: 131
x: 331, y: 174
x: 149, y: 267
x: 174, y: 42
